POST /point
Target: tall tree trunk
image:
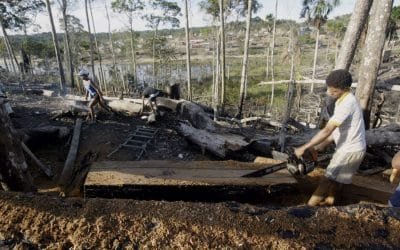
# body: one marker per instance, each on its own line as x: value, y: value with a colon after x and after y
x: 9, y: 48
x: 67, y: 46
x: 272, y: 55
x: 97, y: 48
x: 217, y: 75
x: 188, y: 66
x: 133, y: 50
x: 56, y: 48
x: 111, y: 46
x: 353, y: 33
x: 222, y: 27
x: 154, y: 60
x: 315, y: 60
x: 245, y: 59
x: 267, y: 63
x: 90, y: 40
x: 372, y: 54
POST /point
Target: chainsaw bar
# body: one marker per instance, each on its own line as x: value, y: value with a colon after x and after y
x: 267, y: 170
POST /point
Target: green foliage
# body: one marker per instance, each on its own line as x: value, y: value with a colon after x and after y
x: 305, y: 39
x: 163, y: 12
x: 317, y: 11
x: 15, y: 14
x: 393, y: 21
x: 130, y: 7
x: 211, y: 7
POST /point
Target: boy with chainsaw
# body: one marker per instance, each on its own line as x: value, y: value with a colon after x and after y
x: 394, y: 201
x: 346, y: 129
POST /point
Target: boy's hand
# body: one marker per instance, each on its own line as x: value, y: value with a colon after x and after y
x: 299, y: 151
x: 395, y: 176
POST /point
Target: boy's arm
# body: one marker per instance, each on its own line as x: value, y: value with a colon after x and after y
x: 395, y: 176
x: 86, y: 94
x: 321, y: 147
x: 320, y: 137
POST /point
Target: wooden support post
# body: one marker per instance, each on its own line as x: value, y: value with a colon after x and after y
x: 45, y: 169
x: 66, y: 174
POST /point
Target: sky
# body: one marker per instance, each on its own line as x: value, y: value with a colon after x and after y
x: 287, y: 9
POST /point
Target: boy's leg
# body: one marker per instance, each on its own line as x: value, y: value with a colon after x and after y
x: 340, y: 171
x: 333, y: 193
x: 321, y: 192
x: 92, y: 103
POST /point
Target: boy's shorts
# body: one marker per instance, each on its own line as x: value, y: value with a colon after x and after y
x: 343, y: 165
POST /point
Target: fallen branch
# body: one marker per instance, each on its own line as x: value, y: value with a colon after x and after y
x: 44, y: 168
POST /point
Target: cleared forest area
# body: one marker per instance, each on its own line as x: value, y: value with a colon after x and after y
x: 208, y: 167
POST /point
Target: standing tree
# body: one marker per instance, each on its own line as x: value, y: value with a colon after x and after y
x: 161, y: 12
x: 372, y: 54
x: 111, y: 43
x: 222, y: 52
x: 131, y: 8
x: 317, y: 11
x: 13, y: 15
x: 63, y: 5
x: 97, y: 48
x: 57, y: 51
x: 90, y: 39
x: 354, y: 29
x: 245, y: 60
x: 272, y: 55
x: 188, y: 66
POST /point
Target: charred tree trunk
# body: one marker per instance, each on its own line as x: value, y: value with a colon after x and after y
x: 14, y: 174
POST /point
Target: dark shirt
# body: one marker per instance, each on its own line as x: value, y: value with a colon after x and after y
x: 149, y: 91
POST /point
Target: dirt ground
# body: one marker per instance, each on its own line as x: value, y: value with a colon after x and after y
x: 46, y: 220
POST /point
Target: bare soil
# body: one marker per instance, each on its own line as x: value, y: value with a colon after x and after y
x: 46, y: 220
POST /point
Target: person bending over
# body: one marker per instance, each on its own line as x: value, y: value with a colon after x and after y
x: 151, y: 95
x: 346, y: 129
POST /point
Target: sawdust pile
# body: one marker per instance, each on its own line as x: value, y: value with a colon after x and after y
x: 41, y: 221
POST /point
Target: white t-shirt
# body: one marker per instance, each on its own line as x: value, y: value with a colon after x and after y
x: 349, y: 136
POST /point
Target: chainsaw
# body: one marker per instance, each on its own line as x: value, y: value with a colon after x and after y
x: 296, y: 166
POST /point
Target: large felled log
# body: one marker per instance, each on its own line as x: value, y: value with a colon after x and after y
x: 190, y: 111
x: 219, y: 144
x: 187, y: 110
x: 384, y: 136
x: 13, y: 168
x: 78, y: 104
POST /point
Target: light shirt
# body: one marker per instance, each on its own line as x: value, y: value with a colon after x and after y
x: 349, y: 136
x: 87, y: 84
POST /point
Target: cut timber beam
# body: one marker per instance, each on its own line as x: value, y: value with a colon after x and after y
x: 67, y: 172
x: 160, y: 172
x: 117, y: 175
